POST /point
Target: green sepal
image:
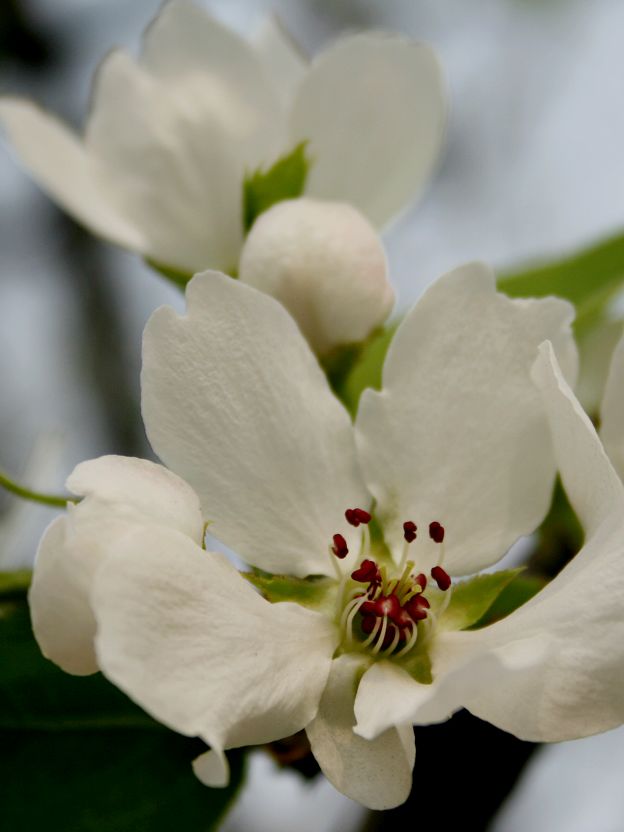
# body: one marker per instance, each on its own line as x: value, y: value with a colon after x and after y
x: 76, y: 754
x: 285, y: 179
x: 316, y: 593
x: 514, y: 595
x: 471, y: 599
x: 366, y: 368
x: 588, y: 278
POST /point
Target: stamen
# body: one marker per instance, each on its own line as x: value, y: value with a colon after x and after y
x: 441, y: 577
x: 436, y: 531
x: 355, y: 516
x: 382, y: 636
x: 373, y: 634
x: 352, y: 605
x: 421, y: 580
x: 410, y: 642
x: 409, y: 531
x: 367, y: 572
x: 349, y: 623
x: 340, y: 548
x: 392, y: 646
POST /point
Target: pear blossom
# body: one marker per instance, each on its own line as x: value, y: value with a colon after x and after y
x: 363, y: 528
x: 172, y: 135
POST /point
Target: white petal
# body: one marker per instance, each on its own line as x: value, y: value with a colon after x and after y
x: 182, y: 633
x: 234, y: 400
x: 281, y: 55
x: 59, y: 162
x: 569, y: 683
x: 373, y: 108
x: 326, y: 264
x: 388, y: 694
x: 212, y: 769
x: 213, y: 71
x: 118, y: 492
x: 612, y: 410
x: 378, y: 773
x: 458, y: 435
x: 157, y: 494
x: 176, y: 174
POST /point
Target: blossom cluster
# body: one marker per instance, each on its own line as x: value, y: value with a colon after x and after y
x: 359, y: 614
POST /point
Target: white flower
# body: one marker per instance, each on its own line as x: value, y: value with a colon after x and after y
x: 234, y: 401
x: 161, y: 165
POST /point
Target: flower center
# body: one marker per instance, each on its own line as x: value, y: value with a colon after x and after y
x: 380, y: 612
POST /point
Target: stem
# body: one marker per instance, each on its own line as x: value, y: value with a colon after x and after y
x: 52, y: 500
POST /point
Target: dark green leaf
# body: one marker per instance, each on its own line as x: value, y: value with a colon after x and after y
x: 589, y: 278
x: 78, y: 755
x: 14, y: 583
x: 472, y: 598
x: 284, y: 180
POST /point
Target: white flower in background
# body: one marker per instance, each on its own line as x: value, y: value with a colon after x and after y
x: 171, y: 137
x: 453, y: 458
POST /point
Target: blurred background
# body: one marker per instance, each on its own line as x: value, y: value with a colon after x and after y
x: 533, y: 168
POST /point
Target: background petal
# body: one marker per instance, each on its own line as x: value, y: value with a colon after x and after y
x: 183, y: 634
x: 282, y: 57
x: 213, y: 72
x: 458, y: 433
x: 234, y: 401
x: 60, y: 164
x: 172, y: 171
x: 118, y: 492
x: 373, y: 107
x: 612, y: 411
x: 376, y: 773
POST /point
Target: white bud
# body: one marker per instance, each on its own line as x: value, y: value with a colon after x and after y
x: 326, y: 264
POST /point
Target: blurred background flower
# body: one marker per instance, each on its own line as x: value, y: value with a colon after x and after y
x: 533, y: 168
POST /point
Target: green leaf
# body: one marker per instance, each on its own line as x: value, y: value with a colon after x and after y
x: 14, y: 583
x: 514, y: 595
x: 284, y: 180
x: 366, y: 371
x: 76, y: 754
x: 316, y: 593
x: 589, y: 278
x: 472, y: 598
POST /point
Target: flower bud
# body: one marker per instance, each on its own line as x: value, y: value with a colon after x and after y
x: 325, y: 263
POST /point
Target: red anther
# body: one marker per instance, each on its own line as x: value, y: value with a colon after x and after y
x: 355, y: 516
x: 436, y: 531
x: 401, y: 618
x: 366, y: 573
x: 417, y: 607
x: 441, y: 578
x: 340, y: 548
x: 351, y: 517
x: 409, y: 530
x: 421, y: 580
